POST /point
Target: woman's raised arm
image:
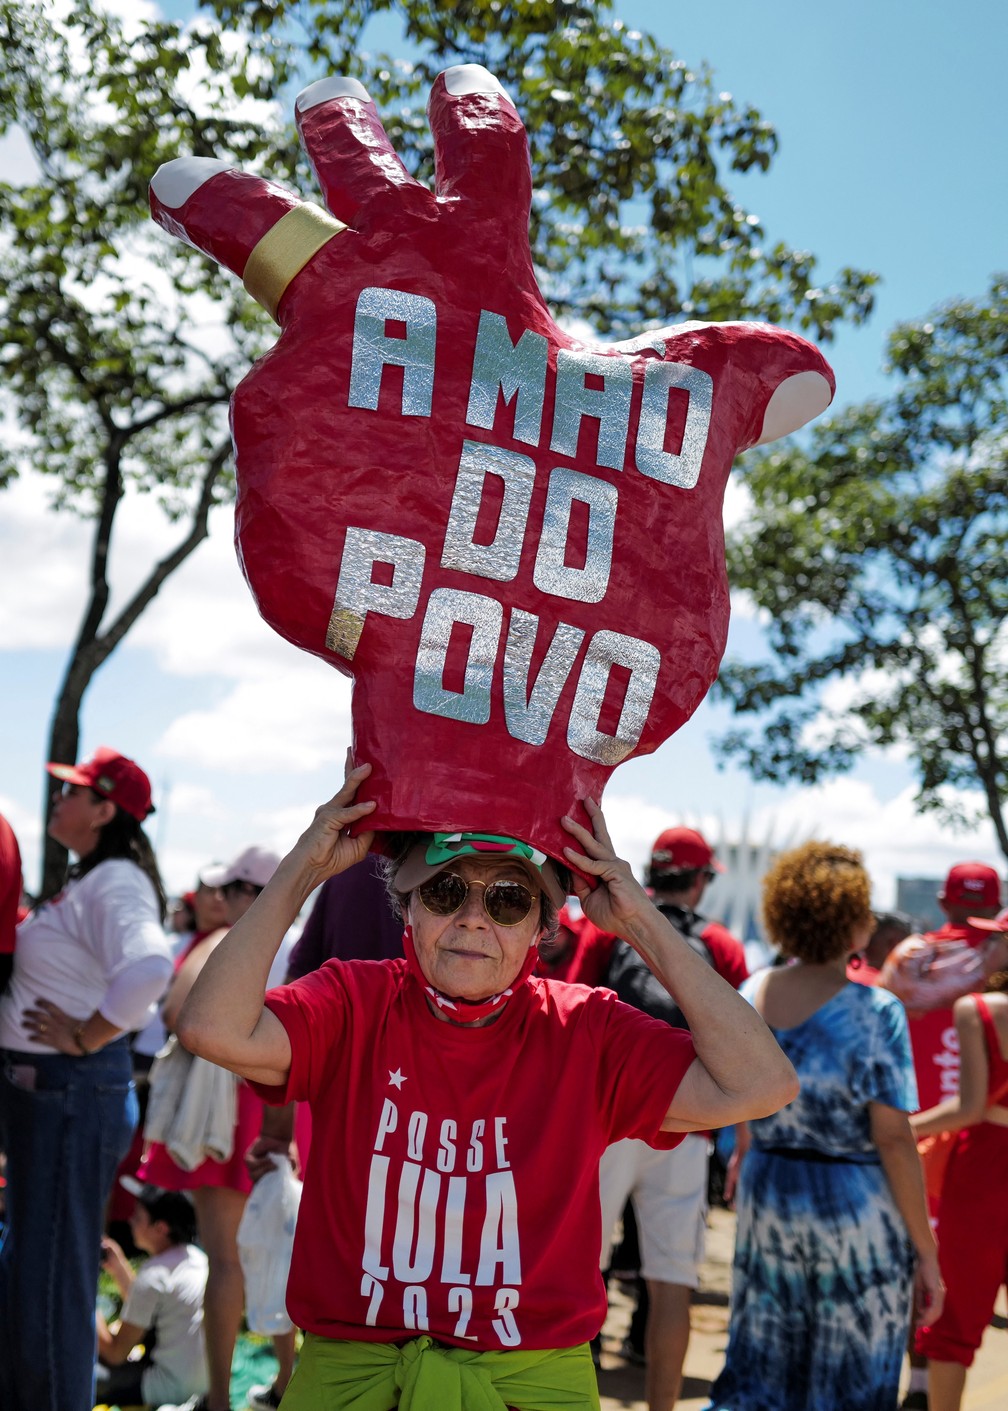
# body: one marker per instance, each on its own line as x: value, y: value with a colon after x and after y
x: 224, y: 1018
x: 740, y: 1071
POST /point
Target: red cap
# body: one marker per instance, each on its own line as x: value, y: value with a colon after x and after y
x: 972, y: 884
x: 114, y: 777
x: 682, y: 850
x: 986, y: 923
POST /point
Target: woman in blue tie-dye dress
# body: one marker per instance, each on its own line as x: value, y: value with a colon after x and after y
x: 831, y: 1211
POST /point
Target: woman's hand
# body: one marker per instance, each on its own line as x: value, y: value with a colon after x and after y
x: 47, y: 1024
x: 734, y: 1169
x: 619, y: 898
x: 326, y: 848
x: 929, y: 1290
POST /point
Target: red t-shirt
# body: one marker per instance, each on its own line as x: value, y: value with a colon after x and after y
x: 10, y: 886
x: 587, y: 959
x: 727, y: 953
x: 933, y: 1035
x: 452, y: 1185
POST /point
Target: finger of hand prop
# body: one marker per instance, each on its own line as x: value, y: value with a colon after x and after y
x: 349, y: 150
x: 480, y: 148
x: 261, y: 231
x: 797, y: 400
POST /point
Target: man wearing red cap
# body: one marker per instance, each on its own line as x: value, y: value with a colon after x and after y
x: 971, y: 889
x: 668, y: 1188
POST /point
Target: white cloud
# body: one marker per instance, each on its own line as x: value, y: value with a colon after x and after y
x: 136, y: 13
x: 25, y: 822
x: 633, y: 822
x: 738, y: 503
x: 294, y: 722
x: 44, y: 555
x: 896, y: 840
x: 17, y: 160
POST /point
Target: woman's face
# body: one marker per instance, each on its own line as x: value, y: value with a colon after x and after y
x: 209, y: 908
x: 466, y: 955
x: 78, y: 816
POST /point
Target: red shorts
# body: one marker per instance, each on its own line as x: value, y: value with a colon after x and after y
x: 972, y: 1243
x: 162, y: 1171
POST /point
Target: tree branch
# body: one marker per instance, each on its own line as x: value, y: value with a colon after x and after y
x: 164, y: 568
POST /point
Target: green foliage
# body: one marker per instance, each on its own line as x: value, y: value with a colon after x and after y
x: 880, y: 556
x: 100, y: 345
x: 121, y: 346
x: 633, y: 222
x: 631, y: 148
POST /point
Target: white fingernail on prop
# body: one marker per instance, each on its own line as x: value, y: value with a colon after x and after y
x: 174, y: 182
x: 797, y: 400
x: 472, y: 78
x: 328, y: 88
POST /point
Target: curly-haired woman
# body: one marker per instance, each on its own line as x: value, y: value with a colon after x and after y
x: 831, y: 1210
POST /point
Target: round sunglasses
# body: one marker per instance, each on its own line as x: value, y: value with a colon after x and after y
x: 506, y: 903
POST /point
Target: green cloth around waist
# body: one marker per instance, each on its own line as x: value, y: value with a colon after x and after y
x: 422, y: 1375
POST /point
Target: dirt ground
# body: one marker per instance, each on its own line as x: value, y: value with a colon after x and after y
x: 622, y: 1386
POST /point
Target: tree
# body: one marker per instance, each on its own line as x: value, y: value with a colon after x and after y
x: 120, y: 349
x: 879, y: 553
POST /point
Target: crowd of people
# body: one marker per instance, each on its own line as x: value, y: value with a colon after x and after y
x: 485, y: 1063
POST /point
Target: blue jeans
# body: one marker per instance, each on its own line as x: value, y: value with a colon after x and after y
x: 65, y: 1124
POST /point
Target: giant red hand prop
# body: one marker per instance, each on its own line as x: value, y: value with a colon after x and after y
x: 510, y: 538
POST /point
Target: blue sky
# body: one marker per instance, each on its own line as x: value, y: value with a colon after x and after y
x: 892, y: 157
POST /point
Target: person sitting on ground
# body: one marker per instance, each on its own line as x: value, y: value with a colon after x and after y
x: 162, y: 1305
x: 220, y: 1188
x: 433, y: 1264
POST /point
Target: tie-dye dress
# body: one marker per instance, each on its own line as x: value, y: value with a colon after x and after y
x: 822, y: 1278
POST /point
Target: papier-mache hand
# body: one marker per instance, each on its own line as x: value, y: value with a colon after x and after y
x: 510, y: 537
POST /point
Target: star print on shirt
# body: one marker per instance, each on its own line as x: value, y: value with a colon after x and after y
x: 397, y: 1078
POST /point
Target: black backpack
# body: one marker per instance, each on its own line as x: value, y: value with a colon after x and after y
x: 633, y: 981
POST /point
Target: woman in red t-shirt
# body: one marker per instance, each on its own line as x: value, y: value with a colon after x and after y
x: 449, y: 1230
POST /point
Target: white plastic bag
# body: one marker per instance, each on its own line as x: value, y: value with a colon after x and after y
x: 265, y: 1241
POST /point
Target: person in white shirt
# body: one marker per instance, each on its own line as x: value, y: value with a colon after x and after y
x: 87, y: 967
x: 162, y: 1305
